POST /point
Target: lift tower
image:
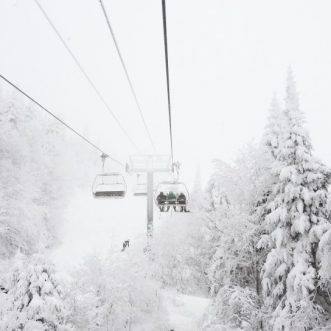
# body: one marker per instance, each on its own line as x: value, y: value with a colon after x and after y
x: 149, y: 164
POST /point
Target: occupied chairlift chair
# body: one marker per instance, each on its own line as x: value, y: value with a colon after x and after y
x: 172, y: 201
x: 109, y: 185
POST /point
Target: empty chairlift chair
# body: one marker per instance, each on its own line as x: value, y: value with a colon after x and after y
x: 140, y: 188
x: 109, y: 185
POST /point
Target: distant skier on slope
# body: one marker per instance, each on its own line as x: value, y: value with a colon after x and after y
x: 126, y: 244
x: 3, y: 289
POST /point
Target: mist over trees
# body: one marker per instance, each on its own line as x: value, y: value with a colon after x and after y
x: 37, y: 168
x: 257, y: 241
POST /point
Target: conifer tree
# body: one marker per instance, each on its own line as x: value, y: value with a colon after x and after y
x: 272, y: 132
x: 268, y: 154
x: 34, y: 300
x: 297, y: 220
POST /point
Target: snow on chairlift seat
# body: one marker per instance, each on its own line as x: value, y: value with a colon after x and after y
x: 109, y: 185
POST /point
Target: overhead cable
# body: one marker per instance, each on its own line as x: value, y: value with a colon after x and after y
x: 83, y: 71
x: 59, y: 120
x: 164, y: 16
x: 126, y: 73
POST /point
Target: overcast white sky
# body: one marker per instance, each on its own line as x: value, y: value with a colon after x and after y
x: 227, y: 57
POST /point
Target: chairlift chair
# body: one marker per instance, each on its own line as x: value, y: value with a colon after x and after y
x: 176, y: 188
x: 140, y: 189
x: 109, y: 185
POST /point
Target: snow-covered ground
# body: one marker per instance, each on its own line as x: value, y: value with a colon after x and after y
x: 185, y: 311
x: 96, y: 226
x: 99, y: 226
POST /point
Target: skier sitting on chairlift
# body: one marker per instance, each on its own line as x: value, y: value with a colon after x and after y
x: 171, y: 200
x: 181, y: 201
x: 161, y: 200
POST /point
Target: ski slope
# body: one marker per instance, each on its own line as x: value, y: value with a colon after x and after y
x: 98, y: 226
x: 185, y: 311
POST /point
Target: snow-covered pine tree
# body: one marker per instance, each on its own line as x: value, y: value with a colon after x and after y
x: 297, y: 220
x: 273, y: 129
x: 34, y: 301
x: 268, y: 151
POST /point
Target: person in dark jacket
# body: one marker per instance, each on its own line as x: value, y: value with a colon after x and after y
x: 3, y: 289
x: 181, y: 201
x: 171, y: 200
x: 126, y: 244
x: 161, y: 200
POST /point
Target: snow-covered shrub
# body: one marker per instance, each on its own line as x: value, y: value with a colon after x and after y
x: 233, y: 234
x: 118, y: 294
x: 234, y: 307
x: 180, y: 255
x: 35, y: 300
x: 233, y: 261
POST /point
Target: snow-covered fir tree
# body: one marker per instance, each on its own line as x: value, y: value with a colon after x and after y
x: 297, y: 220
x: 273, y: 129
x: 34, y: 301
x: 268, y: 151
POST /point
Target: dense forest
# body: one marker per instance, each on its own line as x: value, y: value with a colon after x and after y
x: 257, y: 241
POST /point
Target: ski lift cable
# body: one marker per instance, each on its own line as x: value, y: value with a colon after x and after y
x: 164, y: 16
x: 79, y: 65
x: 59, y: 120
x: 126, y: 73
